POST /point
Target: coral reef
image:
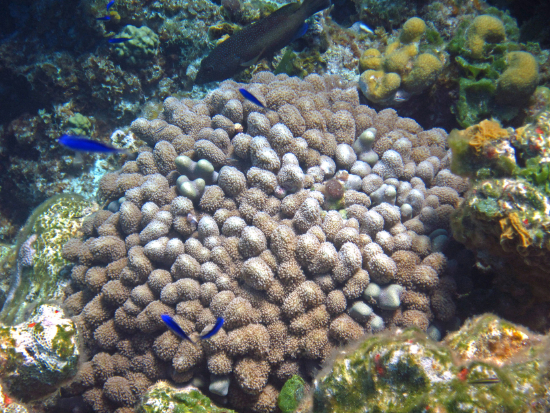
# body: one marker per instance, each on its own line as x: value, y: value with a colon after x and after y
x: 142, y: 47
x: 488, y: 365
x: 504, y: 216
x: 261, y: 246
x: 497, y: 75
x: 406, y: 67
x: 39, y: 353
x: 41, y: 272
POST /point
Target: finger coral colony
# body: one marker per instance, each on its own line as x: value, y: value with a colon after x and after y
x: 282, y: 270
x: 325, y: 231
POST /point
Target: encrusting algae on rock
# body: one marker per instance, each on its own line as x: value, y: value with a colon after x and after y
x: 165, y: 398
x: 488, y: 365
x: 42, y: 279
x: 504, y: 216
x: 38, y: 354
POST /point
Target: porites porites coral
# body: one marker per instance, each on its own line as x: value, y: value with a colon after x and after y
x: 257, y: 247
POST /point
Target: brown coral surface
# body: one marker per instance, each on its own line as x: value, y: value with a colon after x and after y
x: 260, y: 248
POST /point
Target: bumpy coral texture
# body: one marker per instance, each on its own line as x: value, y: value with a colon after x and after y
x: 273, y: 259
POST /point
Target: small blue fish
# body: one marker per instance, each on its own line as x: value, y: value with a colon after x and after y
x: 119, y: 39
x: 215, y: 329
x: 249, y: 96
x: 172, y: 325
x: 81, y: 144
x: 105, y: 18
x: 108, y: 6
x: 301, y: 32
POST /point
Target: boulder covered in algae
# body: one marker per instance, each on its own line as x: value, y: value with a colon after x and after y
x: 38, y: 354
x: 44, y: 277
x: 488, y: 365
x: 8, y: 405
x: 505, y: 215
x: 166, y: 398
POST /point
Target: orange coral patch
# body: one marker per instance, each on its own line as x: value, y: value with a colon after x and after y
x: 484, y: 132
x: 512, y: 225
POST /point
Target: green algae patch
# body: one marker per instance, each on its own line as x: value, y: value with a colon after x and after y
x: 62, y: 342
x: 54, y: 222
x: 291, y: 394
x: 406, y: 372
x: 165, y: 398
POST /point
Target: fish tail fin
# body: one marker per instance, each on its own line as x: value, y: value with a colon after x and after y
x: 126, y: 152
x: 314, y: 6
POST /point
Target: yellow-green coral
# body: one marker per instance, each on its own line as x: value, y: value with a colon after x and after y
x: 412, y: 30
x: 425, y: 70
x: 520, y: 79
x: 400, y: 61
x: 379, y: 86
x: 79, y: 124
x: 371, y: 59
x: 484, y: 29
x: 400, y: 65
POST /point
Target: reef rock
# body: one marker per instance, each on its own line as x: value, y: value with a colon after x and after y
x: 39, y: 353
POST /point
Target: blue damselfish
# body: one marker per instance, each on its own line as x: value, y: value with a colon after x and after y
x: 249, y: 96
x: 119, y: 39
x: 108, y: 6
x: 172, y: 325
x: 103, y: 18
x: 81, y: 144
x: 215, y: 329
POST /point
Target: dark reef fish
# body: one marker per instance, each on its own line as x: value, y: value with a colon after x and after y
x: 172, y: 325
x: 119, y: 39
x: 249, y: 96
x: 81, y: 144
x: 214, y: 330
x: 257, y: 41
